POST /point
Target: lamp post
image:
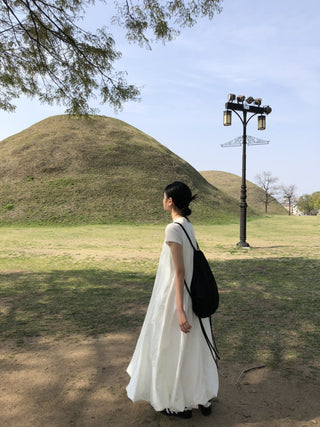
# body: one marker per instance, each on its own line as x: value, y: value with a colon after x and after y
x: 249, y: 108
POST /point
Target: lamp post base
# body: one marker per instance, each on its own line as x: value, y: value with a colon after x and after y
x: 243, y: 244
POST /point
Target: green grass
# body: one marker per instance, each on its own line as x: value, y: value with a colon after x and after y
x: 90, y: 280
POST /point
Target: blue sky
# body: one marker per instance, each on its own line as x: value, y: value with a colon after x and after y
x: 268, y: 50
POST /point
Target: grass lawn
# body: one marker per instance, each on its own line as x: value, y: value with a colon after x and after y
x: 90, y: 280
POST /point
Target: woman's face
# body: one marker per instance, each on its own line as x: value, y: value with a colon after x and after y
x: 166, y: 202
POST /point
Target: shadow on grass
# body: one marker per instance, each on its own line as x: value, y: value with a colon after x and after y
x: 269, y: 310
x: 269, y: 313
x: 89, y: 302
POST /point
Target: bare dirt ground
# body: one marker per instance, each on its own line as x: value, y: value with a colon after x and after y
x: 77, y: 382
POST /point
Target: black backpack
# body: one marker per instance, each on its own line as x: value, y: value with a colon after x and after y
x: 203, y: 292
x: 203, y: 289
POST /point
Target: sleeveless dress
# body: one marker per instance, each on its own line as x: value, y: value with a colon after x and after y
x: 171, y: 369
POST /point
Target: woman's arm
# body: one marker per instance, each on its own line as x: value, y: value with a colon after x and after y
x: 177, y: 255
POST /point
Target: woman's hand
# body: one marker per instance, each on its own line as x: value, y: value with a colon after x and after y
x: 183, y: 322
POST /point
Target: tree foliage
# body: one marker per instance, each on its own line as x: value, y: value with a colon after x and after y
x: 46, y: 54
x: 266, y: 182
x: 309, y: 203
x: 316, y: 200
x: 305, y: 204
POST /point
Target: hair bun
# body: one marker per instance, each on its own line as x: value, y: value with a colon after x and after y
x: 186, y: 211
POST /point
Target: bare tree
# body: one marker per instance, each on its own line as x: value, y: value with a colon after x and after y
x: 266, y: 182
x: 289, y: 195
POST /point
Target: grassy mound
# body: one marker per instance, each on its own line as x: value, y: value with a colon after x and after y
x: 96, y: 170
x: 230, y: 184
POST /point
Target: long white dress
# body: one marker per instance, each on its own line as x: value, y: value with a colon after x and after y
x: 171, y: 369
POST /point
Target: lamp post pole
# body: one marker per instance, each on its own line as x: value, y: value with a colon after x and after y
x: 244, y: 106
x: 243, y: 192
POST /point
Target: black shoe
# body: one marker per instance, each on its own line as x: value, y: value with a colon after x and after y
x: 183, y: 414
x: 205, y: 410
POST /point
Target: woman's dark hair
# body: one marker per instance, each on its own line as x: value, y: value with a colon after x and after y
x: 181, y: 196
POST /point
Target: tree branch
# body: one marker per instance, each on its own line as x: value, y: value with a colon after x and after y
x: 245, y: 371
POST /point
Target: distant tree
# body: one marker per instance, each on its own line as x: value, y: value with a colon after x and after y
x: 305, y: 204
x: 316, y: 200
x: 289, y: 195
x: 266, y: 182
x: 46, y: 54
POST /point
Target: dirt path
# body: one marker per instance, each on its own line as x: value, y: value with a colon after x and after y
x: 73, y: 382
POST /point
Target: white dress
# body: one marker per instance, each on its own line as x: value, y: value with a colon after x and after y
x: 171, y: 369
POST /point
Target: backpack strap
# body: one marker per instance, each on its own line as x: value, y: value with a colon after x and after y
x: 187, y: 236
x: 189, y: 292
x: 212, y: 345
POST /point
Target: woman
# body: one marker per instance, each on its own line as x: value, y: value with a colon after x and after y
x: 172, y: 367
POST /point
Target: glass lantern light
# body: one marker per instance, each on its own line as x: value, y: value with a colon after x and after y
x: 261, y: 122
x: 227, y: 118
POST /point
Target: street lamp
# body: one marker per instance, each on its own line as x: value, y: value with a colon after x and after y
x: 253, y: 107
